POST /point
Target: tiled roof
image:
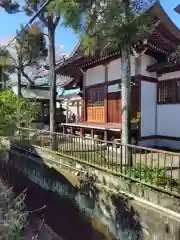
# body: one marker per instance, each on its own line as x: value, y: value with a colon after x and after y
x: 34, y: 93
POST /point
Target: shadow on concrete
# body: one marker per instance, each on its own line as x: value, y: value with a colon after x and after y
x: 117, y: 209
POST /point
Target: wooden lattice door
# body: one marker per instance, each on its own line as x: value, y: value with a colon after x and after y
x: 95, y: 104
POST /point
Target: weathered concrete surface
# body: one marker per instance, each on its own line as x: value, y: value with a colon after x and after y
x: 99, y: 196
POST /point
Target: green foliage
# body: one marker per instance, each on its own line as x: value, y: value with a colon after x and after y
x: 116, y: 23
x: 153, y: 175
x: 14, y: 112
x: 175, y: 55
x: 67, y: 10
x: 30, y: 49
x: 5, y: 58
x: 15, y: 218
x: 30, y: 44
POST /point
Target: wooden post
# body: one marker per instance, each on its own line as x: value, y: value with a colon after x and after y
x: 92, y: 133
x: 67, y: 110
x: 106, y: 95
x: 84, y: 106
x: 64, y: 129
x: 105, y: 136
x: 81, y: 132
x: 77, y: 118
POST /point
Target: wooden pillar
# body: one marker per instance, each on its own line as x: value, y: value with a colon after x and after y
x: 106, y: 94
x: 82, y: 132
x: 83, y: 103
x: 42, y: 109
x: 64, y: 129
x: 42, y: 114
x: 105, y: 135
x: 78, y: 115
x: 67, y: 110
x: 92, y: 133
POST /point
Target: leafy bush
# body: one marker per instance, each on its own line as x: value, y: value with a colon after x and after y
x: 14, y: 112
x: 15, y: 218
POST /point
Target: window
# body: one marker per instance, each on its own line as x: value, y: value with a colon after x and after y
x: 168, y: 91
x: 95, y: 97
x: 95, y: 104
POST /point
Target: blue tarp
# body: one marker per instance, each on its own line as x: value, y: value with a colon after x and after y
x: 63, y: 92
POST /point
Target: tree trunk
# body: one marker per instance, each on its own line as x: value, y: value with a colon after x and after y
x: 19, y: 82
x: 126, y: 102
x: 52, y: 77
x: 2, y: 79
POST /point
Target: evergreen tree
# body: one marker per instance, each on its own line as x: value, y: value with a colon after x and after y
x: 118, y: 25
x: 69, y: 13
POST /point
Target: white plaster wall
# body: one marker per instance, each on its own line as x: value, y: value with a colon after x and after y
x: 113, y: 88
x: 114, y: 69
x: 145, y: 62
x: 168, y: 120
x: 148, y: 108
x: 95, y: 75
x: 169, y: 76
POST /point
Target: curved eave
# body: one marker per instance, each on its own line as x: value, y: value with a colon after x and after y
x: 160, y: 14
x: 157, y: 11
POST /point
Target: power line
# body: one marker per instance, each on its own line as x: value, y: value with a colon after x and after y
x: 30, y: 21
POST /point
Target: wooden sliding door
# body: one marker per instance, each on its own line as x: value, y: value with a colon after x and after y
x: 114, y: 107
x: 95, y: 104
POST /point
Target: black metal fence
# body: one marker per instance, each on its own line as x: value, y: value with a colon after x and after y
x: 152, y: 167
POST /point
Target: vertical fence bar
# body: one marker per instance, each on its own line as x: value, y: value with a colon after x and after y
x: 121, y: 158
x: 158, y: 169
x: 178, y: 175
x: 171, y: 181
x: 151, y: 168
x: 140, y: 164
x: 165, y: 157
x: 146, y: 167
x: 95, y: 148
x: 112, y: 156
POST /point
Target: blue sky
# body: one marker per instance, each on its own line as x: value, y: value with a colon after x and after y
x: 64, y: 36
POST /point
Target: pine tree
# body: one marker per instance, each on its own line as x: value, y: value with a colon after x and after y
x: 118, y: 24
x: 30, y: 48
x: 69, y: 13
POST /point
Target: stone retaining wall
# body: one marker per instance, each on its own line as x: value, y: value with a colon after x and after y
x: 100, y: 195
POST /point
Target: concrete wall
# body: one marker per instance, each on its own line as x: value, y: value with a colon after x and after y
x: 109, y: 199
